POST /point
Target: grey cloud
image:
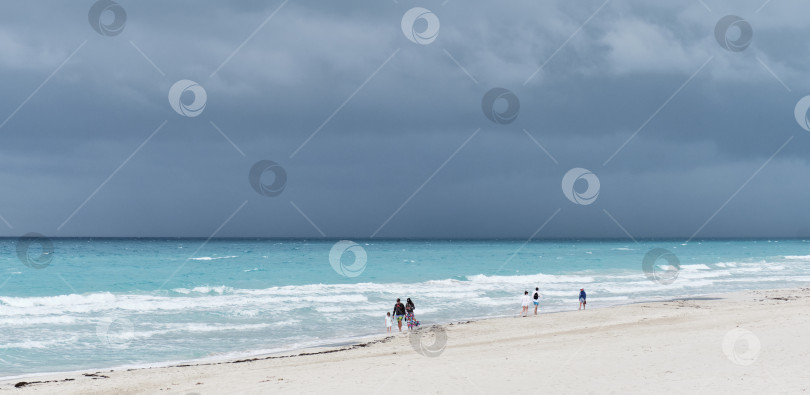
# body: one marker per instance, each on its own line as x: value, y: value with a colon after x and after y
x: 391, y: 136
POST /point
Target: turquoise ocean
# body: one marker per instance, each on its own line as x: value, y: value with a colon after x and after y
x: 108, y: 303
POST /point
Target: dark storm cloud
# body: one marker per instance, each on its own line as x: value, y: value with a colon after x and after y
x: 361, y: 170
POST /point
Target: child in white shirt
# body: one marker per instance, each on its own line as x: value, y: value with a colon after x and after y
x: 388, y: 322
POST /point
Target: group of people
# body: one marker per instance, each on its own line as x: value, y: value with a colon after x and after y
x: 402, y: 312
x: 536, y: 300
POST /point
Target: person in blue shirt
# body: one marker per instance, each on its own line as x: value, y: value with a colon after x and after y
x: 581, y: 298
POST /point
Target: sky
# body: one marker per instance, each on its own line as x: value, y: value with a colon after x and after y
x: 378, y: 127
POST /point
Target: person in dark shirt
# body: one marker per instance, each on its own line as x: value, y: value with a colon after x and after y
x: 399, y: 313
x: 581, y: 298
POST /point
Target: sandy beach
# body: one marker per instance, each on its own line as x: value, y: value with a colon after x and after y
x: 747, y: 342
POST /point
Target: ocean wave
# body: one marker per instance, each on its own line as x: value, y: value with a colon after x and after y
x: 699, y: 266
x: 447, y: 281
x: 38, y: 344
x: 211, y: 258
x: 204, y: 290
x: 724, y: 264
x: 59, y: 300
x: 230, y: 306
x: 756, y: 269
x: 447, y: 294
x: 245, y: 313
x: 203, y: 327
x: 530, y: 279
x: 798, y: 257
x: 47, y: 320
x: 699, y: 274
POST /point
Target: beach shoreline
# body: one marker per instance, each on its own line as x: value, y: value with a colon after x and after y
x: 326, y: 344
x: 125, y: 319
x: 652, y: 338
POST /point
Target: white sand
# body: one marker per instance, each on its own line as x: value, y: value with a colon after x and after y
x: 643, y: 348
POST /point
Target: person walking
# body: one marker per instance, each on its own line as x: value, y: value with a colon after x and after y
x: 388, y: 322
x: 582, y: 299
x: 409, y: 317
x: 399, y: 313
x: 525, y: 304
x: 536, y: 299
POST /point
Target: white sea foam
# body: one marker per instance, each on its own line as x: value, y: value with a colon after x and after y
x: 703, y: 274
x: 753, y: 269
x: 37, y: 320
x: 478, y: 289
x: 246, y: 313
x: 191, y: 328
x: 727, y: 264
x: 38, y: 344
x: 330, y: 310
x: 211, y: 258
x: 798, y: 257
x: 695, y: 267
x: 530, y: 279
x: 59, y: 300
x: 204, y: 290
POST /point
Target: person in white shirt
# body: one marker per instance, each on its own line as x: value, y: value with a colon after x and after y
x: 525, y: 303
x: 388, y: 322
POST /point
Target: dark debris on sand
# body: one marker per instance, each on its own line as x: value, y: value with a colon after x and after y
x: 94, y: 376
x: 352, y: 347
x: 27, y: 383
